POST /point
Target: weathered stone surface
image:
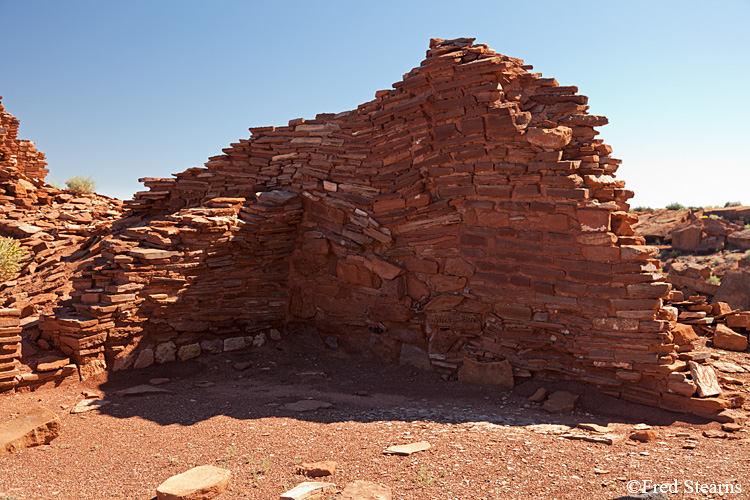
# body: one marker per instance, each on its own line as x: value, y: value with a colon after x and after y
x: 644, y: 436
x: 366, y: 490
x: 726, y: 338
x: 33, y: 428
x: 51, y: 363
x: 199, y: 483
x: 740, y: 239
x: 316, y: 469
x: 553, y: 138
x: 491, y: 373
x: 539, y: 395
x: 407, y: 449
x: 166, y: 352
x: 188, y: 351
x: 705, y: 379
x: 684, y: 334
x: 145, y: 359
x: 309, y: 491
x: 235, y: 344
x: 560, y: 401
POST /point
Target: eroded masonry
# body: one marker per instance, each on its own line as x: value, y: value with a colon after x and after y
x: 467, y: 220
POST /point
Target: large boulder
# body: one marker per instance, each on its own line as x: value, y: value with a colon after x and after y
x: 735, y: 289
x: 740, y: 239
x: 35, y: 427
x: 726, y: 338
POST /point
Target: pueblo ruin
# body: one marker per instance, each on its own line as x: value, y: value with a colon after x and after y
x: 466, y: 221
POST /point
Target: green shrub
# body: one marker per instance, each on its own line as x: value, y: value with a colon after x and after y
x: 81, y: 185
x: 747, y: 254
x: 675, y: 206
x: 642, y: 209
x: 732, y: 204
x: 11, y: 256
x: 713, y: 280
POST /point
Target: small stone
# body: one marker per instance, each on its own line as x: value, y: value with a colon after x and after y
x: 51, y: 363
x: 689, y: 446
x: 731, y: 427
x: 641, y: 427
x: 645, y: 436
x: 714, y: 434
x: 407, y: 449
x: 306, y: 405
x: 145, y: 359
x: 274, y: 334
x: 241, y: 366
x: 309, y: 490
x: 159, y: 381
x: 366, y: 490
x: 600, y: 471
x: 234, y: 343
x: 317, y: 469
x: 188, y: 351
x: 215, y: 346
x: 203, y: 384
x: 199, y: 483
x: 33, y: 428
x: 560, y: 401
x: 594, y: 428
x: 332, y: 342
x: 166, y: 352
x: 88, y: 405
x: 538, y: 395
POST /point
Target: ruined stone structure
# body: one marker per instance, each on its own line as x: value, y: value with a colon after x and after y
x: 469, y: 215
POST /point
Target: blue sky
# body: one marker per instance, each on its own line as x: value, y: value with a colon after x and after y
x: 122, y: 90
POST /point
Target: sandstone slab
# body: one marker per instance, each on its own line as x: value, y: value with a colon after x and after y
x: 308, y: 491
x: 705, y: 379
x: 199, y: 483
x: 407, y: 449
x: 33, y: 428
x: 88, y: 405
x: 142, y: 390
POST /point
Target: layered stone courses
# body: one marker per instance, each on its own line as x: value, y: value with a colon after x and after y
x: 467, y: 213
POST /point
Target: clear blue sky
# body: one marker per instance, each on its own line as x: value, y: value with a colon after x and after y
x: 122, y: 90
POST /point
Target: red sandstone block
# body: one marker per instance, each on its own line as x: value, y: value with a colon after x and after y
x: 525, y: 191
x: 601, y: 254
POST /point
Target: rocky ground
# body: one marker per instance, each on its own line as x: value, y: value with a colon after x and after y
x: 487, y: 443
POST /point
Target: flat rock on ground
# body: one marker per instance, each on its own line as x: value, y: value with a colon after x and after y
x: 308, y: 490
x: 407, y: 449
x: 35, y: 427
x: 199, y: 483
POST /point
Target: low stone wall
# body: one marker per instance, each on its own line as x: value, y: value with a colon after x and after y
x: 10, y: 348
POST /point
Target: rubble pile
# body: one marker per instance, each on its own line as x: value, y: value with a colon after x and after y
x: 55, y: 229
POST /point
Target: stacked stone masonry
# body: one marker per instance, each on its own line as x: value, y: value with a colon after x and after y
x: 467, y: 213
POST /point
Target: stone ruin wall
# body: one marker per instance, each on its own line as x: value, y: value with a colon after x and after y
x: 468, y: 216
x: 17, y: 154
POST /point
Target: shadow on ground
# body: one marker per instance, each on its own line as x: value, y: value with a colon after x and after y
x: 360, y: 390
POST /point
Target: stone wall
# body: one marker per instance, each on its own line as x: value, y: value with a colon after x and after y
x: 16, y: 153
x: 469, y: 213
